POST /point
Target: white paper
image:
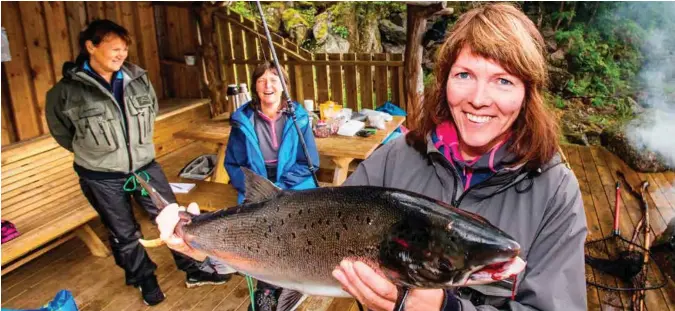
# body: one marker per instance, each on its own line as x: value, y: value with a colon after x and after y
x: 181, y: 187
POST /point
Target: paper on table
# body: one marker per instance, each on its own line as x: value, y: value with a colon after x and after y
x: 181, y: 187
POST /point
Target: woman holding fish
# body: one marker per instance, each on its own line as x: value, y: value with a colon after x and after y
x: 486, y: 145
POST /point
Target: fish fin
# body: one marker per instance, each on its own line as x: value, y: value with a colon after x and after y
x: 289, y: 300
x: 258, y: 188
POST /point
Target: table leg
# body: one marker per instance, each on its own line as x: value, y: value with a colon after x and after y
x: 341, y: 169
x: 220, y: 174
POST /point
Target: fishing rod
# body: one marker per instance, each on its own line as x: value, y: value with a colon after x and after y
x: 290, y: 106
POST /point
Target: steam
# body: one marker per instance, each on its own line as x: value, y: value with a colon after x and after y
x: 655, y: 129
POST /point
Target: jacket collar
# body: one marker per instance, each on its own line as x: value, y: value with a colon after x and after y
x: 505, y: 177
x: 130, y: 71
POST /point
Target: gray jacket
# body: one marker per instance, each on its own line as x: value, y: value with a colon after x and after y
x: 84, y: 118
x: 542, y: 210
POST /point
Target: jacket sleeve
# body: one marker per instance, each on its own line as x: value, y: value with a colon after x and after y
x: 60, y: 126
x: 371, y: 172
x: 299, y: 171
x: 235, y: 158
x: 554, y: 278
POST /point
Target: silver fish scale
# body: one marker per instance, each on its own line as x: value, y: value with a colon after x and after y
x: 301, y: 236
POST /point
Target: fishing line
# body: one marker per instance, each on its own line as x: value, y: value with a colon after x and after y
x: 290, y: 106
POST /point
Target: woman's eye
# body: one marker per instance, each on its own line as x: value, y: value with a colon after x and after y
x: 503, y: 81
x: 462, y: 75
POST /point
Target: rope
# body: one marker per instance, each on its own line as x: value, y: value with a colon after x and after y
x: 249, y: 282
x: 134, y: 182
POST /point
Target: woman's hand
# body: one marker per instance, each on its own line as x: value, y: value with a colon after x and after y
x: 166, y: 222
x: 378, y: 294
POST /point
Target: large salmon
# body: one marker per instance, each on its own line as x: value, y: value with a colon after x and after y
x: 294, y: 239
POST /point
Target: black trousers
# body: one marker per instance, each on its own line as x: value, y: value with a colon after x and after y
x: 113, y: 204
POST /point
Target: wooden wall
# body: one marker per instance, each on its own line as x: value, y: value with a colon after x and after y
x: 43, y: 35
x: 177, y: 35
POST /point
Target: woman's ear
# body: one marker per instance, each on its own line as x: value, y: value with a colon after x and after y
x: 90, y: 46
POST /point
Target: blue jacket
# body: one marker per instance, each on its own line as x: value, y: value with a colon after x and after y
x: 243, y: 149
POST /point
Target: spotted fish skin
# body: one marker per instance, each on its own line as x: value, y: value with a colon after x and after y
x: 295, y: 239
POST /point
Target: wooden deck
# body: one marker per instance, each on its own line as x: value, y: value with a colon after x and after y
x: 98, y: 284
x: 596, y: 169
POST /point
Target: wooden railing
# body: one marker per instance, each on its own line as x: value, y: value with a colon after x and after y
x: 353, y: 80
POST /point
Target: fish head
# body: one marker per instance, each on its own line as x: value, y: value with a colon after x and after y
x: 432, y: 251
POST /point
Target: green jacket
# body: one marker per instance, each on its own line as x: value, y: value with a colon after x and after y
x: 83, y: 117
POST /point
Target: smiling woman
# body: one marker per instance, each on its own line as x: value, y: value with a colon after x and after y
x: 486, y: 144
x: 103, y: 111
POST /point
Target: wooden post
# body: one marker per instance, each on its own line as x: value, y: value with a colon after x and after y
x: 210, y: 58
x: 417, y: 25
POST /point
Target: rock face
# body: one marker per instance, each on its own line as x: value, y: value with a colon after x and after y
x: 273, y: 18
x: 295, y: 25
x: 558, y: 78
x: 326, y: 40
x: 616, y: 141
x: 391, y: 32
x: 369, y: 35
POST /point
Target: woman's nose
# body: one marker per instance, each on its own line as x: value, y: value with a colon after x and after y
x: 480, y: 97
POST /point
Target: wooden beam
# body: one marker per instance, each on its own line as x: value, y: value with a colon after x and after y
x: 93, y: 242
x: 374, y: 63
x: 366, y: 81
x: 17, y: 72
x: 112, y: 11
x: 8, y: 132
x: 59, y: 42
x: 95, y: 10
x: 76, y: 17
x: 41, y: 70
x: 336, y: 85
x: 210, y: 58
x: 321, y: 79
x: 148, y: 51
x: 417, y: 15
x: 128, y: 20
x: 381, y: 81
x: 351, y: 88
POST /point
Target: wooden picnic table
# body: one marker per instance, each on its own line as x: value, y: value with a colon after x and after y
x: 342, y: 150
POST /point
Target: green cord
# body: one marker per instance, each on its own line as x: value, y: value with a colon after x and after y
x: 134, y: 182
x: 249, y: 282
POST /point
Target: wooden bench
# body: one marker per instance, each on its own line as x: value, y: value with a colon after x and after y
x: 41, y: 196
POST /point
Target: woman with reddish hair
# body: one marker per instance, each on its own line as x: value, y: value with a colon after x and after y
x: 486, y: 143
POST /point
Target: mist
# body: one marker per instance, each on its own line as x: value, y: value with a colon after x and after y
x: 655, y: 129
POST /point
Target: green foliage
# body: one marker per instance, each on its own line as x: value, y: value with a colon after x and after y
x: 244, y: 9
x: 559, y: 102
x: 341, y: 31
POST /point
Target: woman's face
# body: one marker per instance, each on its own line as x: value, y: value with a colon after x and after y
x: 484, y: 101
x: 268, y: 87
x: 109, y: 55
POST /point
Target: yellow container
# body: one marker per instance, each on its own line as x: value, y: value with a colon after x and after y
x: 328, y: 109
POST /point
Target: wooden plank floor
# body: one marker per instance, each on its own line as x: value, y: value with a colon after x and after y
x: 596, y: 168
x: 98, y: 284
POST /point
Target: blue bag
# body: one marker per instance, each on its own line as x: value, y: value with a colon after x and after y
x: 63, y: 301
x: 393, y: 110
